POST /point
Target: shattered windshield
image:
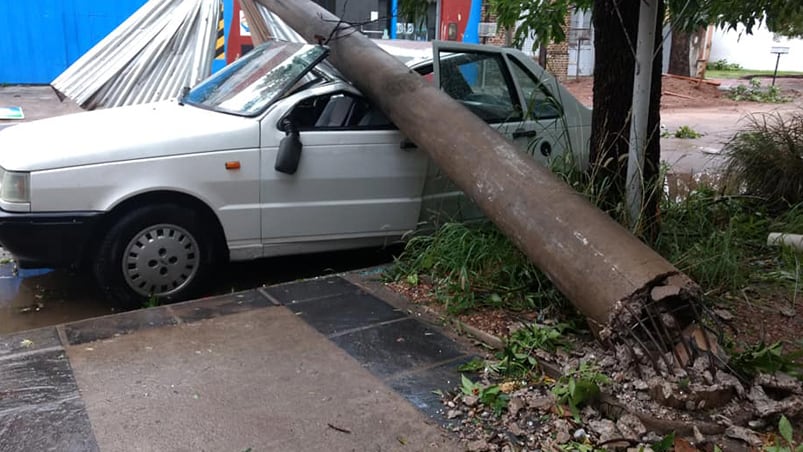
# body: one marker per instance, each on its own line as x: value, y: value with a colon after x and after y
x: 249, y: 85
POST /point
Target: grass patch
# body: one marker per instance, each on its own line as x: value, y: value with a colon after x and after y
x: 473, y: 266
x: 747, y: 73
x: 711, y: 237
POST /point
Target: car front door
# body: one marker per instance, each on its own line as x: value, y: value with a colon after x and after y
x: 503, y: 91
x: 357, y: 181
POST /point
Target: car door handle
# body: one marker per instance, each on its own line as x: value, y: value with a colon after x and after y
x: 521, y: 133
x: 407, y: 144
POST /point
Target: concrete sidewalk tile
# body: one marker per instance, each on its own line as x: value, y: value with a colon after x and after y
x: 262, y: 379
x: 40, y: 407
x: 29, y: 341
x: 100, y: 328
x: 421, y: 388
x: 207, y: 308
x: 300, y: 291
x: 398, y: 347
x: 345, y: 312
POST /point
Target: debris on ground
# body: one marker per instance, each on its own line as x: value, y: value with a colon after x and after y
x: 638, y: 407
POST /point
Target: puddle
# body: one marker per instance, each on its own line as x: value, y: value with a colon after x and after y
x: 34, y: 298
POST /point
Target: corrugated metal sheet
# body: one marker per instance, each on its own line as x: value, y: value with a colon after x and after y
x: 162, y: 47
x: 42, y: 37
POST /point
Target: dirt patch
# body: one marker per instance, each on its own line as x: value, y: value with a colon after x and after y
x: 765, y: 314
x: 680, y: 93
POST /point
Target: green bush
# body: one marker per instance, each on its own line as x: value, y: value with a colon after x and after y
x: 765, y: 159
x: 723, y: 65
x: 755, y: 93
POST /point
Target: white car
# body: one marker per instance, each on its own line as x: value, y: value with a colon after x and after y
x: 151, y: 197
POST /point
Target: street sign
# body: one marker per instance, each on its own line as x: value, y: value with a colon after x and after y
x: 778, y: 51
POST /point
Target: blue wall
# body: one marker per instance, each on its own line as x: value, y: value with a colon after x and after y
x: 43, y: 37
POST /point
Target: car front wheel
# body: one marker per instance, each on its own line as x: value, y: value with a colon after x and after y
x: 157, y: 252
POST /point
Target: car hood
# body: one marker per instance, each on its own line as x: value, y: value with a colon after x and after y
x: 124, y: 133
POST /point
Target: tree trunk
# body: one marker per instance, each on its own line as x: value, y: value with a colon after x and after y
x: 615, y: 30
x: 679, y: 54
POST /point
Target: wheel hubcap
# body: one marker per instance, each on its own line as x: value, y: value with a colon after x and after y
x: 160, y: 260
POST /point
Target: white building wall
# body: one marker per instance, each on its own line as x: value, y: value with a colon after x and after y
x: 753, y: 51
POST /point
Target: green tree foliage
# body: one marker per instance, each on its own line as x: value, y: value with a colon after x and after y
x: 543, y: 18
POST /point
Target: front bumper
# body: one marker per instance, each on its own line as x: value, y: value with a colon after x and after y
x: 54, y: 240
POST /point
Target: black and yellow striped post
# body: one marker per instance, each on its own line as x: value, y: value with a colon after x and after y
x: 220, y: 42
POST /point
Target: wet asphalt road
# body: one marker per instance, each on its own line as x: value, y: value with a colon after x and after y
x: 34, y: 298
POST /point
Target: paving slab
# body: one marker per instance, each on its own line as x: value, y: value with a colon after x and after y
x: 262, y: 379
x: 40, y: 406
x: 320, y: 364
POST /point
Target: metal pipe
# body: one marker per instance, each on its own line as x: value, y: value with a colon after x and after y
x: 593, y: 260
x: 642, y: 84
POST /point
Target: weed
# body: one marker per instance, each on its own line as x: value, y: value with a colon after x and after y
x: 765, y: 159
x: 756, y: 93
x: 491, y: 396
x: 475, y: 365
x: 579, y: 387
x: 787, y: 434
x: 666, y: 443
x: 593, y: 185
x: 152, y: 302
x: 762, y: 358
x: 475, y: 266
x: 687, y: 132
x: 518, y: 360
x: 574, y: 446
x: 723, y: 65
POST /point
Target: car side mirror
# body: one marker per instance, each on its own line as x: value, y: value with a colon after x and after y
x: 289, y: 150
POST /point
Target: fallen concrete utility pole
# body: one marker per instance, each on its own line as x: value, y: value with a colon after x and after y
x: 622, y: 286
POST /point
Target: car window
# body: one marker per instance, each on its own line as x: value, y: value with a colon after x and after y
x: 481, y: 83
x: 339, y: 111
x: 539, y: 104
x: 249, y: 85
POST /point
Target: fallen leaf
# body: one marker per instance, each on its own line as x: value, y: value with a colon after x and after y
x: 682, y: 445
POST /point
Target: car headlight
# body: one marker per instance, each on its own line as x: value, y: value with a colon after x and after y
x: 15, y: 190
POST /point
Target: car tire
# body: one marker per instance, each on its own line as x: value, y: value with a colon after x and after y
x: 159, y: 252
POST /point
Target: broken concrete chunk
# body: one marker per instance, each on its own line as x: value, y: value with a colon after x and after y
x: 605, y: 429
x: 470, y: 400
x: 515, y: 405
x: 743, y: 434
x: 630, y: 426
x: 478, y: 446
x: 780, y: 382
x: 766, y: 406
x: 660, y: 293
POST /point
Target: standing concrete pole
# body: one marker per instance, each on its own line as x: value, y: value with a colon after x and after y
x: 606, y: 272
x: 645, y: 48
